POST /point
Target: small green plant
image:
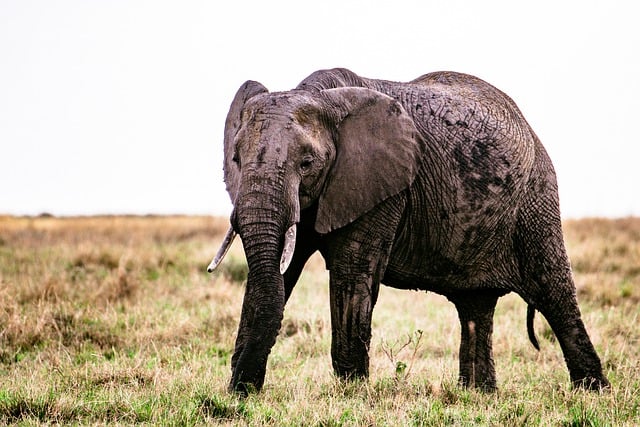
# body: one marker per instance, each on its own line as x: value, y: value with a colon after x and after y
x: 392, y: 351
x: 626, y: 289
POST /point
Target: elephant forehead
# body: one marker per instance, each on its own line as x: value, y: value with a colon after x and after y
x: 283, y: 117
x: 267, y: 139
x: 263, y: 140
x: 281, y: 103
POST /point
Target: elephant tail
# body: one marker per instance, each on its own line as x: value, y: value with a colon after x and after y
x: 531, y: 313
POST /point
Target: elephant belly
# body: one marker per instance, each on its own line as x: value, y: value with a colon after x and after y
x: 421, y: 260
x: 442, y: 277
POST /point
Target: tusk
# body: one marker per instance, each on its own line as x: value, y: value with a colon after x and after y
x: 289, y: 247
x: 226, y: 244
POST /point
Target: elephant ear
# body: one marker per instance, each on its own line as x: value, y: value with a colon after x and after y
x: 377, y: 155
x: 231, y: 127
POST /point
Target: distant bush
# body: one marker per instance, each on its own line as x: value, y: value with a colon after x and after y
x: 234, y: 269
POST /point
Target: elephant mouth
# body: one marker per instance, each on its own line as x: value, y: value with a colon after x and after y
x: 285, y: 259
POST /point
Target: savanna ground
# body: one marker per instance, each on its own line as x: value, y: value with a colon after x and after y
x: 113, y: 320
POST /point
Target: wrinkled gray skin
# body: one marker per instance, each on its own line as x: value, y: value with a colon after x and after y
x: 438, y: 184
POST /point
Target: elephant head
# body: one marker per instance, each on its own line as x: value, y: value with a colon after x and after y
x: 287, y: 152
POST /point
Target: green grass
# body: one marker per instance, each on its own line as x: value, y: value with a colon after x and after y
x: 114, y: 320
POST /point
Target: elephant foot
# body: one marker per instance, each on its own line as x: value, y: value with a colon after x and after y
x: 487, y: 385
x: 350, y: 373
x: 242, y: 389
x: 590, y: 383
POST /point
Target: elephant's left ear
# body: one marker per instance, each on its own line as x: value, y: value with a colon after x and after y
x: 231, y: 173
x: 378, y: 153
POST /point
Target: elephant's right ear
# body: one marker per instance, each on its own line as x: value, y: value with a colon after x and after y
x: 377, y: 155
x: 231, y: 171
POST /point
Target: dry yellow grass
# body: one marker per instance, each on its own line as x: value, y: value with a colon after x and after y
x: 605, y: 257
x: 114, y: 320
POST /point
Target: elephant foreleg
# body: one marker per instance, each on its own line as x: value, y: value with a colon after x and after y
x: 357, y: 257
x: 357, y: 265
x: 475, y: 311
x: 352, y: 303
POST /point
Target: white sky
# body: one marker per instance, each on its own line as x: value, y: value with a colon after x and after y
x: 119, y: 106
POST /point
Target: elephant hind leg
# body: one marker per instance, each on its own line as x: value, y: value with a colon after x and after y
x: 475, y: 311
x: 547, y: 285
x: 553, y: 294
x: 560, y: 308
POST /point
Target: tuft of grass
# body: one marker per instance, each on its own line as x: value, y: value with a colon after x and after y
x: 15, y: 408
x: 114, y: 320
x: 582, y: 416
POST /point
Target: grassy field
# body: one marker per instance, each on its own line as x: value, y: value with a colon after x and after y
x: 113, y: 320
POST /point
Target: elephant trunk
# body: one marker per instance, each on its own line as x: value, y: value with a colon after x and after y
x: 262, y: 222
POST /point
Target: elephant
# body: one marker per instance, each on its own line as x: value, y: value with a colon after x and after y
x: 438, y: 184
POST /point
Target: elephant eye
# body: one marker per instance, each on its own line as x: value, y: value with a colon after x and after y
x: 306, y: 164
x: 235, y: 159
